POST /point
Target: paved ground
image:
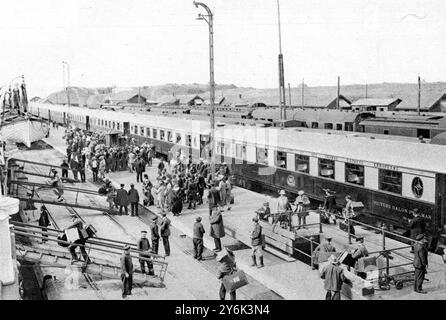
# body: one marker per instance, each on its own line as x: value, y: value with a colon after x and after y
x: 186, y: 278
x: 292, y: 280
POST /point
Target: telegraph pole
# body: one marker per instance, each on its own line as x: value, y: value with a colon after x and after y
x: 68, y: 92
x: 281, y: 72
x: 209, y: 18
x: 339, y: 92
x: 289, y: 94
x: 419, y: 95
x: 303, y: 93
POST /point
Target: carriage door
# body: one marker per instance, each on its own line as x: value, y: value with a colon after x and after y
x: 204, y: 146
x: 126, y: 127
x: 439, y: 218
x: 189, y: 144
x: 65, y: 119
x: 87, y: 123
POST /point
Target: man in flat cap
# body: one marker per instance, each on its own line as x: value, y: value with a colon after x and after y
x: 420, y: 262
x: 126, y: 272
x: 198, y: 239
x: 122, y: 200
x: 144, y: 247
x: 154, y: 230
x: 333, y: 276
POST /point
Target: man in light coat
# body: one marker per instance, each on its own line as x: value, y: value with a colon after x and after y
x: 333, y: 276
x: 217, y: 228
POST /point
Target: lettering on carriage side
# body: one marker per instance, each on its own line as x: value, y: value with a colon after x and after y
x: 385, y: 166
x: 354, y: 161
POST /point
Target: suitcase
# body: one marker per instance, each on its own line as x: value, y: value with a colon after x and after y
x: 72, y: 234
x: 91, y: 231
x: 235, y: 281
x: 61, y: 240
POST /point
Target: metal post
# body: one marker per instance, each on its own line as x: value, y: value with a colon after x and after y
x: 383, y: 231
x: 339, y: 91
x: 348, y: 230
x: 419, y: 94
x: 289, y: 94
x: 311, y: 252
x: 210, y: 22
x: 303, y: 93
x: 68, y: 92
x: 320, y: 221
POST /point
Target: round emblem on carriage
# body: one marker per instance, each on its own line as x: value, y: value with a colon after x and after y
x: 291, y: 181
x: 417, y: 187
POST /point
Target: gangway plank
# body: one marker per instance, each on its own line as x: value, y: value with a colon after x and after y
x: 49, y: 186
x: 96, y: 266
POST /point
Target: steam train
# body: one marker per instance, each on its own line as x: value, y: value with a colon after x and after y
x: 390, y: 175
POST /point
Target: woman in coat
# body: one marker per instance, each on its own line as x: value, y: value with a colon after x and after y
x: 217, y: 228
x: 222, y: 189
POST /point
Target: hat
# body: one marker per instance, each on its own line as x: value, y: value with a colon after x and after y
x: 198, y: 219
x: 348, y: 197
x: 164, y: 214
x: 420, y: 237
x: 220, y: 255
x: 282, y: 192
x: 154, y: 217
x: 132, y: 185
x: 122, y: 185
x: 256, y: 219
x: 266, y: 203
x: 359, y: 238
x: 144, y: 231
x: 328, y: 238
x: 416, y: 211
x: 107, y: 180
x: 332, y: 259
x: 126, y: 247
x: 301, y: 192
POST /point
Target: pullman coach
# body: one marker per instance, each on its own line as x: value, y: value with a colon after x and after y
x: 390, y: 175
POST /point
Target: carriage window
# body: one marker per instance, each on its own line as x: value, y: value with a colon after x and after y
x: 240, y: 151
x: 390, y: 181
x: 328, y: 126
x: 281, y: 159
x: 302, y: 163
x: 102, y: 122
x: 338, y: 126
x: 220, y: 148
x: 348, y: 126
x: 136, y: 129
x: 148, y: 132
x: 142, y: 131
x: 155, y: 132
x: 169, y: 136
x: 118, y: 125
x: 354, y: 173
x: 314, y: 125
x: 188, y: 140
x: 178, y: 138
x: 262, y: 155
x: 114, y: 124
x: 162, y: 134
x: 326, y: 168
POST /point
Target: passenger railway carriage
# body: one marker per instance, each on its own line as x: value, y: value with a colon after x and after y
x: 389, y: 176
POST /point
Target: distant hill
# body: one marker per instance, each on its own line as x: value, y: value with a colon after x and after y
x: 313, y: 96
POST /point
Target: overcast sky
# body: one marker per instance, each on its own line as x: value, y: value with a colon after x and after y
x: 146, y: 42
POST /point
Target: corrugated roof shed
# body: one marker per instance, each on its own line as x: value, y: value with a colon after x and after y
x: 375, y: 102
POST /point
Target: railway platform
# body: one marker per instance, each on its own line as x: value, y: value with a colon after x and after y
x: 290, y: 279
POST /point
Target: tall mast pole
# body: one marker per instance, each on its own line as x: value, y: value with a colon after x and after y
x: 419, y: 95
x: 281, y: 71
x: 339, y: 91
x: 303, y: 93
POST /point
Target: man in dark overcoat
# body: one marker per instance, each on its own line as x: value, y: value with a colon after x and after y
x: 198, y: 239
x: 126, y: 272
x: 217, y: 228
x: 420, y: 262
x: 165, y: 233
x: 122, y: 200
x: 417, y: 225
